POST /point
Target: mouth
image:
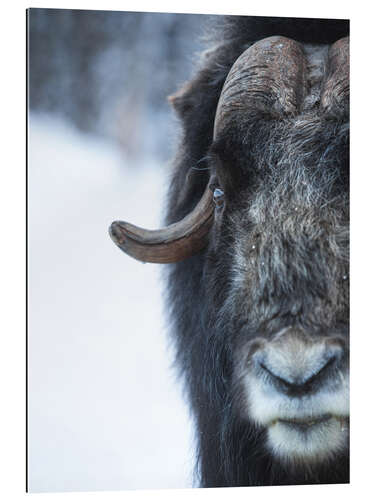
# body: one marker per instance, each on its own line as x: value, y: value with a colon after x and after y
x: 309, y: 439
x: 306, y: 424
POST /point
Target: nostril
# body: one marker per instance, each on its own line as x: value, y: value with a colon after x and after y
x: 273, y: 375
x: 296, y: 363
x: 300, y: 382
x: 322, y: 371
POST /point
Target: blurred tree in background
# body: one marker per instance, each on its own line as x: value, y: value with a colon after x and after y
x: 109, y: 73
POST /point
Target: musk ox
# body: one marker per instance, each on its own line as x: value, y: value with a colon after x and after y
x: 257, y: 244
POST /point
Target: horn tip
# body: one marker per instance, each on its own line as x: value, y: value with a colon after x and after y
x: 117, y: 232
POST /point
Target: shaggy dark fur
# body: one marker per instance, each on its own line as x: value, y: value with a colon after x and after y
x: 278, y: 252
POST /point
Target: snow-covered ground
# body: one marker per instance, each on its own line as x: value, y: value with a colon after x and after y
x: 105, y: 409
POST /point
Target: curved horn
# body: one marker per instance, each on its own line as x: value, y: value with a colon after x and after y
x: 172, y: 243
x: 335, y: 92
x: 269, y: 76
x: 271, y: 73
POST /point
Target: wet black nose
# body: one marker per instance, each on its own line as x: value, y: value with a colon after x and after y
x: 296, y: 365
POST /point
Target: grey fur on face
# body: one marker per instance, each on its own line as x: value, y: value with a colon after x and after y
x: 261, y: 317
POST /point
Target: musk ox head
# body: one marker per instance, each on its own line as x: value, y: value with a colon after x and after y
x: 272, y: 228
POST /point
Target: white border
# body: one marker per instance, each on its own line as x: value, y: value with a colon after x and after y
x: 12, y: 262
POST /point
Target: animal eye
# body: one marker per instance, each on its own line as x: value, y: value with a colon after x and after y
x: 218, y: 197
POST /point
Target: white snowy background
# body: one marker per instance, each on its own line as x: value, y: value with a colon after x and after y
x: 105, y: 409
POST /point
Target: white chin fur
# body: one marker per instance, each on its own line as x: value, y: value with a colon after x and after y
x: 266, y: 407
x: 317, y: 443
